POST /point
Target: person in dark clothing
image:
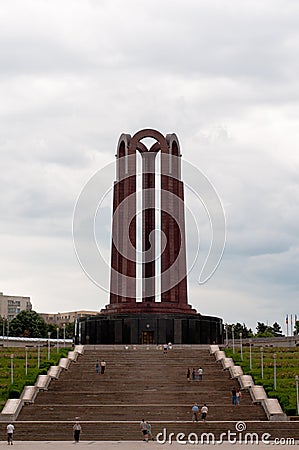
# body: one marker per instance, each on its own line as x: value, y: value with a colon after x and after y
x: 188, y: 374
x: 77, y: 430
x: 193, y: 374
x: 103, y: 366
x: 234, y: 396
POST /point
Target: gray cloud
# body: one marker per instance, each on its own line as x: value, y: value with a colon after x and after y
x: 222, y: 75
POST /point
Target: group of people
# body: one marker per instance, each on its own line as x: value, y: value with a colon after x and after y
x: 146, y: 430
x: 195, y: 411
x: 101, y: 365
x: 167, y: 347
x: 193, y: 373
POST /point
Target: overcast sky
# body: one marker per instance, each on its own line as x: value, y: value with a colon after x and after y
x: 222, y: 75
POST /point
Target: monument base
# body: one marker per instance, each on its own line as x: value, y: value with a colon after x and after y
x: 149, y: 329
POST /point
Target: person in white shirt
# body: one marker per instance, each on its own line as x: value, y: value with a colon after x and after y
x: 10, y: 429
x: 77, y: 430
x: 103, y: 366
x: 204, y: 412
x: 200, y: 372
x: 238, y: 397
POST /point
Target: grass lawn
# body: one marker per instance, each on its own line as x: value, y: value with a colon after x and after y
x: 20, y: 379
x: 287, y: 367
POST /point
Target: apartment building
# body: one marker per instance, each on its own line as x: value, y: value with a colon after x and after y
x: 66, y: 317
x: 11, y: 305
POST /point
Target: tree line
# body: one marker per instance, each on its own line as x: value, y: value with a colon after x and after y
x: 262, y: 330
x: 31, y: 325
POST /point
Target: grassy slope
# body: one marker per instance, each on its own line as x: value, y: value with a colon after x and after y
x: 287, y: 366
x: 8, y: 390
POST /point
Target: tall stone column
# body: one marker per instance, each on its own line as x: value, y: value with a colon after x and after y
x: 123, y: 260
x: 173, y: 226
x: 148, y: 226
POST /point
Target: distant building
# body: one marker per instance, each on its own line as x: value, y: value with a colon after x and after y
x: 66, y: 317
x: 11, y: 305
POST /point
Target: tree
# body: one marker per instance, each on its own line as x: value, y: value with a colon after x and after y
x: 261, y: 328
x: 264, y: 330
x: 277, y: 331
x: 28, y: 324
x: 242, y: 328
x: 69, y: 330
x: 52, y: 329
x: 239, y: 328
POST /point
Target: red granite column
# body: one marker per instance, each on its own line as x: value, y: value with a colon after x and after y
x: 123, y: 274
x: 148, y: 226
x: 171, y: 208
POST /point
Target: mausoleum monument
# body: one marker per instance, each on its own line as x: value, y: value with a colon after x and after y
x: 160, y: 312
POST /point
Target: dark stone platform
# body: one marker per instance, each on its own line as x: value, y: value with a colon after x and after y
x: 149, y: 329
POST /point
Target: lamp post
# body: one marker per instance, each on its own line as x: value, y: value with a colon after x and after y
x: 64, y: 335
x: 3, y: 327
x: 274, y: 358
x: 262, y: 362
x: 49, y: 335
x: 297, y: 398
x: 233, y: 337
x: 241, y: 346
x: 26, y: 360
x: 7, y: 328
x: 38, y: 354
x: 11, y: 367
x: 57, y: 337
x: 226, y: 335
x: 250, y: 354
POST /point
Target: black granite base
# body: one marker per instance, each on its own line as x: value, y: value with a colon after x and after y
x: 149, y: 329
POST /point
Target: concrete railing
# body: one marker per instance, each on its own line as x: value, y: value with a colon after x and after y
x: 285, y: 341
x: 11, y: 410
x: 72, y: 356
x: 213, y: 349
x: 42, y: 382
x: 273, y: 409
x: 79, y: 349
x: 54, y: 372
x: 271, y: 406
x: 257, y: 393
x: 29, y: 394
x: 227, y: 363
x: 13, y: 406
x: 219, y: 355
x: 245, y: 381
x: 235, y: 371
x: 64, y: 363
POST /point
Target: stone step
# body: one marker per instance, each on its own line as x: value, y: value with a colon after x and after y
x: 136, y: 384
x: 131, y: 412
x: 148, y: 397
x: 129, y: 430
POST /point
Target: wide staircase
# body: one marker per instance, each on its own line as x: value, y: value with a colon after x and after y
x: 137, y: 384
